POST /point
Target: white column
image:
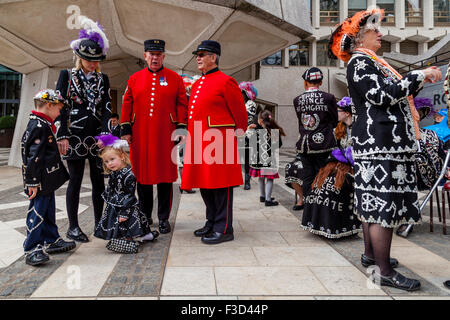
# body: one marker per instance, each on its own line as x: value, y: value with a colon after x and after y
x: 423, y: 47
x: 31, y: 84
x: 400, y: 14
x: 315, y: 11
x: 371, y: 4
x: 313, y: 53
x: 428, y: 19
x: 285, y: 59
x: 343, y: 9
x: 395, y: 46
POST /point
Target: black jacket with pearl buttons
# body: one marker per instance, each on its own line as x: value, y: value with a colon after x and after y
x: 42, y: 166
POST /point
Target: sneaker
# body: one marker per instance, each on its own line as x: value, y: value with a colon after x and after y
x: 60, y: 245
x: 36, y: 258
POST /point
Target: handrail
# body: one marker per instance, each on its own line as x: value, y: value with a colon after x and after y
x: 424, y: 63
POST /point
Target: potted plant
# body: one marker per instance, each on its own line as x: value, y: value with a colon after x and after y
x: 7, y: 124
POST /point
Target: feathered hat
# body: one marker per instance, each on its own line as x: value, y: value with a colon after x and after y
x: 249, y: 89
x: 92, y: 43
x: 343, y: 39
x: 345, y: 104
x: 110, y: 140
x: 342, y: 155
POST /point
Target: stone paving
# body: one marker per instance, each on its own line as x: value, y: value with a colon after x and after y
x: 270, y: 258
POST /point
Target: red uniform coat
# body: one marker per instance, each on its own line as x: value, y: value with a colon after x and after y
x: 211, y: 157
x: 153, y: 105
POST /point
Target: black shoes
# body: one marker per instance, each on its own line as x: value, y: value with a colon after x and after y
x: 298, y: 207
x: 397, y: 281
x: 217, y: 237
x: 36, y: 258
x: 263, y: 199
x: 366, y: 261
x: 77, y: 235
x: 164, y: 226
x: 271, y: 203
x: 202, y: 231
x: 447, y: 284
x: 60, y: 246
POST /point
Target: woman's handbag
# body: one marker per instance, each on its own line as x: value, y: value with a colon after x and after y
x: 429, y: 160
x: 122, y: 246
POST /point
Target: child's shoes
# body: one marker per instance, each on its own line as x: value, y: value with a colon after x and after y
x: 36, y: 258
x: 271, y: 203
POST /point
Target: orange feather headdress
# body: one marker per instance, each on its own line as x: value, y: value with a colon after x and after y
x: 343, y: 39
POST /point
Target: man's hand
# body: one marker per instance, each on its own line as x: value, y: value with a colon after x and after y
x: 127, y: 137
x: 432, y: 74
x: 32, y: 192
x: 122, y: 220
x: 252, y: 126
x: 63, y: 146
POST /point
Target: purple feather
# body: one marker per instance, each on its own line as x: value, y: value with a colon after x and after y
x: 337, y: 153
x: 94, y: 36
x: 107, y: 139
x: 349, y: 156
x: 83, y: 34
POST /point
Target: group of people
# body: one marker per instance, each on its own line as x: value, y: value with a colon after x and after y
x: 355, y: 156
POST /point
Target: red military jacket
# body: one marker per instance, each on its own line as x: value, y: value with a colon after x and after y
x: 153, y: 105
x: 216, y: 110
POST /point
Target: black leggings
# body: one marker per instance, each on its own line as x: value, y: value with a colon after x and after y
x: 76, y: 171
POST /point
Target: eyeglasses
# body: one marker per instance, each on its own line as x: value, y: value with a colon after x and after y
x: 202, y: 54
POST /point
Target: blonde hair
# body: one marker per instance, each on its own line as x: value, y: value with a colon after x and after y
x: 119, y: 152
x: 78, y: 64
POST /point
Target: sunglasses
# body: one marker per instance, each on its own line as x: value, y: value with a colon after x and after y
x: 202, y: 54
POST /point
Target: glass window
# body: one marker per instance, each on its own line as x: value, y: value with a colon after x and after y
x: 441, y: 12
x: 10, y: 86
x: 413, y: 12
x: 322, y: 55
x: 272, y: 60
x: 389, y: 10
x: 299, y: 54
x: 355, y: 6
x: 329, y: 12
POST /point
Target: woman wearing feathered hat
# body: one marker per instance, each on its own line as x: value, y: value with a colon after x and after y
x: 87, y: 90
x: 385, y: 133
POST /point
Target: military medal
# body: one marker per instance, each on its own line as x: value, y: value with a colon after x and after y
x: 163, y: 81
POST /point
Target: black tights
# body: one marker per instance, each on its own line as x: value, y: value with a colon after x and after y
x: 377, y: 244
x: 76, y: 171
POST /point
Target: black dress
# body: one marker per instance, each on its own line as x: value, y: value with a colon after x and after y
x: 121, y: 202
x: 330, y: 212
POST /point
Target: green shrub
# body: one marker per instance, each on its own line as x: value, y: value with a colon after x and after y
x: 7, y: 122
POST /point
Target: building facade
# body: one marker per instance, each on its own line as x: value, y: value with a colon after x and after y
x: 411, y: 28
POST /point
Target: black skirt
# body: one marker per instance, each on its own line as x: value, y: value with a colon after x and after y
x: 329, y: 212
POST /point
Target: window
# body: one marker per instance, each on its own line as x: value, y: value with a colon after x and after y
x: 10, y: 85
x: 409, y: 47
x: 272, y: 60
x: 441, y: 12
x: 389, y: 9
x: 329, y: 12
x: 413, y: 12
x: 299, y: 54
x: 322, y: 55
x: 355, y: 6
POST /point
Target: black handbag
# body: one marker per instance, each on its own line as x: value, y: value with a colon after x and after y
x: 429, y: 160
x: 122, y: 246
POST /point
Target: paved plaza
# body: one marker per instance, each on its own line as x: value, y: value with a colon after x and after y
x: 270, y: 258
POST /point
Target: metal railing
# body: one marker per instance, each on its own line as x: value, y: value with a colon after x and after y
x: 329, y: 17
x: 441, y: 18
x: 437, y: 60
x: 414, y: 17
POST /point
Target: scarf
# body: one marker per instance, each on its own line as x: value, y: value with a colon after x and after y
x: 45, y: 117
x: 384, y: 63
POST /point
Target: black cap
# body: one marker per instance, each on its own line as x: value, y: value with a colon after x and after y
x: 154, y: 45
x: 210, y: 46
x: 313, y: 75
x: 90, y: 50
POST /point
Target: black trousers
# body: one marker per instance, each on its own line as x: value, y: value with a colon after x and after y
x: 312, y: 163
x: 165, y: 196
x: 219, y: 209
x: 76, y: 171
